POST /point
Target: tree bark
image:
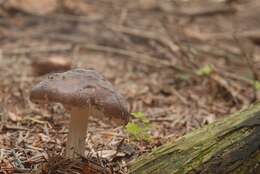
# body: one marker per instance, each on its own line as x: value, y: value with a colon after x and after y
x: 227, y: 146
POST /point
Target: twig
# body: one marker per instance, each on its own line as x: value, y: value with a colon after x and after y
x: 34, y: 148
x: 136, y: 57
x: 17, y: 162
x: 74, y: 18
x: 182, y: 99
x: 7, y: 127
x: 205, y: 10
x: 148, y: 35
x: 233, y: 76
x: 222, y: 82
x: 166, y: 119
x: 32, y: 50
x: 184, y: 52
x: 253, y: 35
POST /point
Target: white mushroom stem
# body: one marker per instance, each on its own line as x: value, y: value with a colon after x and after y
x: 77, y: 132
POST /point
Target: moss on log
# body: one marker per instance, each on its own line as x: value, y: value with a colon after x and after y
x: 227, y: 146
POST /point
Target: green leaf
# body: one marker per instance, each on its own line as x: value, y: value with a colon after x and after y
x: 138, y: 114
x: 141, y: 116
x: 205, y: 70
x: 133, y: 129
x: 256, y: 84
x: 139, y: 129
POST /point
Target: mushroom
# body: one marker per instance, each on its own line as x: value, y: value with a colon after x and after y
x: 83, y: 92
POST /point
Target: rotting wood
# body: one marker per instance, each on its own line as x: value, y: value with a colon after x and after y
x: 230, y: 145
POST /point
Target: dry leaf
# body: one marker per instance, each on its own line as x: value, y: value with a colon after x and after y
x: 79, y: 7
x: 109, y: 154
x: 51, y: 64
x: 41, y: 7
x: 13, y: 116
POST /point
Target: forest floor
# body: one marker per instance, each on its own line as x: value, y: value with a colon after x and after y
x: 182, y: 64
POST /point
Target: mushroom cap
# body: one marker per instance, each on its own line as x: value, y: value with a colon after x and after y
x: 81, y: 88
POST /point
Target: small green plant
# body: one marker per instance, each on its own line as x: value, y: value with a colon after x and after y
x: 256, y: 84
x: 139, y: 130
x: 205, y: 70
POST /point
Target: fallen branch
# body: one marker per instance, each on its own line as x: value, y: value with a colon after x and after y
x: 227, y: 146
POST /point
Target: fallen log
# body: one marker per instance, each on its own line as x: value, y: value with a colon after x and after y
x: 228, y: 146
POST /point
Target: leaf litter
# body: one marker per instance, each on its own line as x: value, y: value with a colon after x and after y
x: 181, y: 70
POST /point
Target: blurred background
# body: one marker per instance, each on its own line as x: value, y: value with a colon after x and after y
x: 180, y: 64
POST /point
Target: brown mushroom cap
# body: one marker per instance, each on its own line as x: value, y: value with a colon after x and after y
x: 82, y: 88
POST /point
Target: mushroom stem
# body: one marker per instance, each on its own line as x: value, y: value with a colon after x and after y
x: 77, y: 132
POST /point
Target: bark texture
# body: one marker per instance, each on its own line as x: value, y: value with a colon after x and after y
x: 227, y: 146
